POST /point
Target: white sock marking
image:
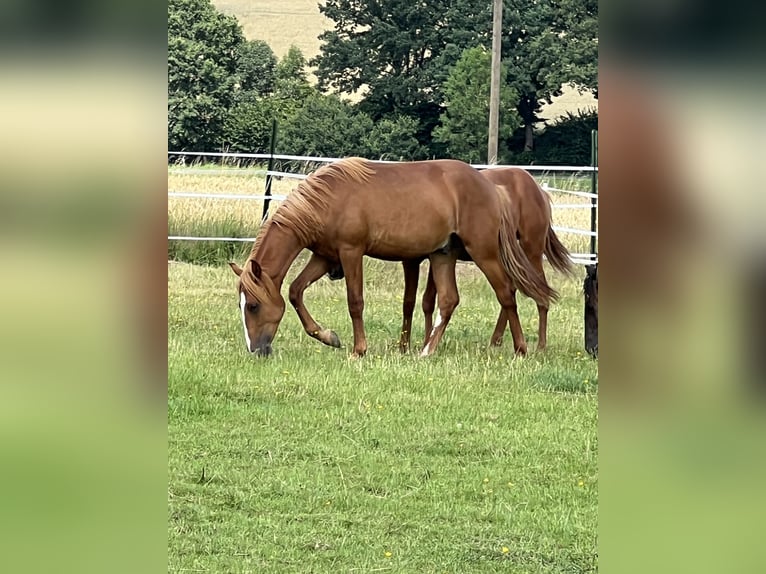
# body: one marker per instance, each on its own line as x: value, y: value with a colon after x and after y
x: 433, y: 330
x: 242, y: 303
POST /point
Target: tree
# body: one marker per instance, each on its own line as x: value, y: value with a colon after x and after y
x: 577, y: 24
x: 248, y: 125
x: 202, y: 64
x: 568, y: 140
x: 544, y: 46
x: 292, y: 86
x: 394, y: 139
x: 256, y: 67
x: 399, y: 51
x: 465, y: 122
x: 325, y: 126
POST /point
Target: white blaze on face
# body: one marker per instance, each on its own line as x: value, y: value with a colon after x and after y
x: 242, y: 304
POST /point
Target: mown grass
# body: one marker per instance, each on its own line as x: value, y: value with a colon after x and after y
x: 196, y: 217
x: 310, y: 461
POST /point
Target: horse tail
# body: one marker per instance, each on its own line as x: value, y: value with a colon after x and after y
x: 557, y: 254
x: 515, y: 261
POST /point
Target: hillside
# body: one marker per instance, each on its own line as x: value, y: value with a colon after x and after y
x: 281, y: 23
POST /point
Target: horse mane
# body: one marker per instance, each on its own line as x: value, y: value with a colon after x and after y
x: 304, y: 209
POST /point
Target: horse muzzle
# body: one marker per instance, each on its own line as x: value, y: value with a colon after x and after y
x: 262, y: 347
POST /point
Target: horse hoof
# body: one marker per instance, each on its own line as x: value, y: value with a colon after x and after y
x: 333, y: 340
x: 521, y: 351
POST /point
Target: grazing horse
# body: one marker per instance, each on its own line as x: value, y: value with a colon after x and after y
x: 398, y: 211
x: 531, y: 208
x: 590, y: 292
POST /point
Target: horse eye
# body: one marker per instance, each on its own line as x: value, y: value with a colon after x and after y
x: 253, y: 308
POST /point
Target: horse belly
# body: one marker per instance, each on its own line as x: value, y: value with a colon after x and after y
x: 395, y: 247
x: 409, y: 236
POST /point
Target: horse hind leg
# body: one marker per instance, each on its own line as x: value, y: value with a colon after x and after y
x: 535, y: 255
x: 443, y: 268
x: 411, y: 271
x: 497, y: 335
x: 314, y: 269
x: 506, y: 296
x: 429, y: 304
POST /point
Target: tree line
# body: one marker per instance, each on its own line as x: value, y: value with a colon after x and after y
x: 420, y: 72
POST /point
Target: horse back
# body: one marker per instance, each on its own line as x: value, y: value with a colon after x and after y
x: 411, y: 208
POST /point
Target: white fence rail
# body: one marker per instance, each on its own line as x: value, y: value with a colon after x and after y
x: 578, y: 258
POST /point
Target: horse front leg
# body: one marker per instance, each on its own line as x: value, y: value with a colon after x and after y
x: 443, y: 268
x: 351, y: 260
x: 411, y: 272
x: 314, y: 269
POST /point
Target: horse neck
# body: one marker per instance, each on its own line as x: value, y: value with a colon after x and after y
x: 276, y: 252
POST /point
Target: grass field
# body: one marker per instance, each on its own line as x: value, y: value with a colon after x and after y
x: 310, y: 461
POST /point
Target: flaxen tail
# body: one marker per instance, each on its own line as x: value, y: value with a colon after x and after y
x: 556, y: 254
x: 515, y: 261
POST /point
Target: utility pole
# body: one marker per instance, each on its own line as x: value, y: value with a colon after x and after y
x: 494, y: 90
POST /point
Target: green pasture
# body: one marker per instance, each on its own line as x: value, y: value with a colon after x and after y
x: 310, y: 461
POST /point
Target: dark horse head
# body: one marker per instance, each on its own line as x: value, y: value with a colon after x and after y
x: 590, y: 289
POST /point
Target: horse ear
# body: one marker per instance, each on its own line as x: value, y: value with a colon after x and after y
x: 236, y: 268
x: 255, y: 268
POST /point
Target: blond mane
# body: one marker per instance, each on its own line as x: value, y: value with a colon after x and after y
x: 305, y: 208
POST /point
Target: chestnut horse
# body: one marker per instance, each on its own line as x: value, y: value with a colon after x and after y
x: 532, y: 218
x: 398, y: 211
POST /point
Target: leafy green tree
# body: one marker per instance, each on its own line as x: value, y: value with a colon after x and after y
x: 577, y: 25
x: 568, y: 140
x: 325, y: 126
x: 400, y: 52
x: 203, y: 52
x: 291, y: 76
x: 248, y: 125
x: 464, y: 125
x: 394, y: 139
x: 544, y: 46
x: 291, y: 87
x: 256, y: 67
